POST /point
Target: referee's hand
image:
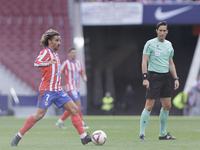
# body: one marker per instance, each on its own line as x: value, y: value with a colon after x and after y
x: 146, y: 83
x: 176, y: 84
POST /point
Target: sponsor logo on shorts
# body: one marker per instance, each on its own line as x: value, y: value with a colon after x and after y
x: 64, y: 95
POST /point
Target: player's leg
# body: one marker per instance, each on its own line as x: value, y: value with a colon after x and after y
x: 60, y: 121
x: 30, y: 122
x: 73, y: 109
x: 64, y: 101
x: 78, y: 104
x: 76, y: 121
x: 145, y: 117
x: 74, y: 96
x: 45, y: 100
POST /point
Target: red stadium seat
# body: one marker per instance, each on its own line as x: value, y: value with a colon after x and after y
x: 22, y: 25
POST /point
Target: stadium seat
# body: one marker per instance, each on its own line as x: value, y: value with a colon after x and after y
x: 23, y: 23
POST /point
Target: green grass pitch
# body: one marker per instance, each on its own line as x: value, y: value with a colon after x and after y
x: 122, y: 134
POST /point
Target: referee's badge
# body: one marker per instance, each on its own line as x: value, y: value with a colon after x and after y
x: 157, y: 53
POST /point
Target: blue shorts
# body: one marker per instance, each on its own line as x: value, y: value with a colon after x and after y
x: 75, y: 95
x: 46, y: 98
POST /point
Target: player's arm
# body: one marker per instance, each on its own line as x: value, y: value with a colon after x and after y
x: 63, y: 67
x: 84, y: 77
x: 82, y: 73
x: 172, y: 70
x: 145, y: 59
x: 42, y: 61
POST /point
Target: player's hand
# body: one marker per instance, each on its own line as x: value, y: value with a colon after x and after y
x: 53, y: 61
x: 84, y: 78
x: 176, y: 84
x: 146, y: 83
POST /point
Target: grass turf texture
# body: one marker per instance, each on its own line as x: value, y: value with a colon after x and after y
x: 122, y: 134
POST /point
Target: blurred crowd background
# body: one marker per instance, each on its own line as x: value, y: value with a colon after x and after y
x: 144, y: 1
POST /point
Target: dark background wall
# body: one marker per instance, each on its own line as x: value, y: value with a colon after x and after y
x: 101, y: 41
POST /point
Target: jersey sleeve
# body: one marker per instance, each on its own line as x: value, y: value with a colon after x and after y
x: 172, y: 52
x: 147, y: 50
x: 42, y: 59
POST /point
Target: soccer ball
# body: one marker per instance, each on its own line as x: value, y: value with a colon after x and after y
x: 99, y: 137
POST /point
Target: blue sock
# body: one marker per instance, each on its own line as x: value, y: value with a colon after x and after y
x: 144, y: 120
x: 163, y: 121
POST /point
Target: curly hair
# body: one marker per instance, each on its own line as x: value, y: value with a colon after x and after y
x: 49, y: 34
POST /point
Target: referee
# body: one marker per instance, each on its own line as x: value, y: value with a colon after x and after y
x: 158, y: 54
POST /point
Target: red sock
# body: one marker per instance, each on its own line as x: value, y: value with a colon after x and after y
x: 65, y: 115
x: 77, y: 122
x: 80, y: 114
x: 28, y: 125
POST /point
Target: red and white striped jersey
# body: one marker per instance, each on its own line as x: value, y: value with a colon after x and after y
x: 51, y: 74
x: 72, y: 72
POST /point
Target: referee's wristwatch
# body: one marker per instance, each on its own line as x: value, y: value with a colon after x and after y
x: 177, y: 78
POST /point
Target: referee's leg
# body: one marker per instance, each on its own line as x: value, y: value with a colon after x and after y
x: 164, y: 113
x: 145, y: 117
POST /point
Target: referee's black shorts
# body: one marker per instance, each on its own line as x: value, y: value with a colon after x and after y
x: 159, y: 85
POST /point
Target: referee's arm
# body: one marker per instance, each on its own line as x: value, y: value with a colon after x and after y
x: 145, y: 59
x: 172, y: 70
